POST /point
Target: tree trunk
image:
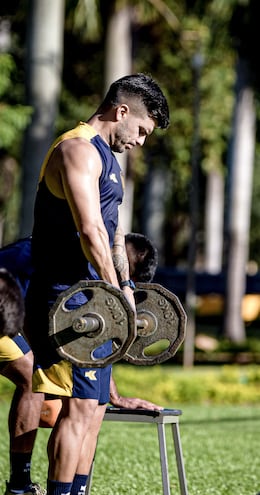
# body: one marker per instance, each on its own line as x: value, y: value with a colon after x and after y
x: 118, y: 63
x: 43, y: 81
x: 214, y: 211
x: 153, y: 210
x: 190, y: 299
x: 242, y: 163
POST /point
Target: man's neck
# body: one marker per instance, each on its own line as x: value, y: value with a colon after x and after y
x: 101, y: 125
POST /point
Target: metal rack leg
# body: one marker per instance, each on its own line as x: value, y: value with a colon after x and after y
x: 90, y: 476
x: 179, y: 458
x: 164, y: 459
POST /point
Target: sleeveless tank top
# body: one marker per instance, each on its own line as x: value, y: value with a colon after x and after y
x: 56, y: 249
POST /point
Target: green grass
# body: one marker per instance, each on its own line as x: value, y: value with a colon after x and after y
x: 220, y: 446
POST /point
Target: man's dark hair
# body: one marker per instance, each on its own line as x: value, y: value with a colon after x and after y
x: 145, y: 266
x: 11, y: 305
x: 146, y: 89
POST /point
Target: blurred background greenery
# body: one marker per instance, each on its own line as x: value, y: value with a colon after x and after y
x: 194, y: 190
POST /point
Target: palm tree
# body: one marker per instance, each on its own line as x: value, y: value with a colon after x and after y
x: 118, y: 63
x: 243, y: 147
x: 44, y: 57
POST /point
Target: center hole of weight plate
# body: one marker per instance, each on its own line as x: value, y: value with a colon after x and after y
x: 146, y: 323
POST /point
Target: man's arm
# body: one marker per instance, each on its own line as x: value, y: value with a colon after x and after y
x: 73, y: 173
x: 119, y: 255
x: 121, y: 263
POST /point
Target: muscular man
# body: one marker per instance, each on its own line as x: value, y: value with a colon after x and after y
x: 76, y: 219
x: 16, y: 360
x: 16, y: 363
x: 143, y: 261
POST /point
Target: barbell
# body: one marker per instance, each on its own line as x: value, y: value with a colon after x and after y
x: 106, y: 316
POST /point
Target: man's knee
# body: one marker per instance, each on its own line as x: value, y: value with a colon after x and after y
x: 97, y: 419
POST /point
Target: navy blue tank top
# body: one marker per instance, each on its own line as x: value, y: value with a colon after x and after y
x: 56, y: 249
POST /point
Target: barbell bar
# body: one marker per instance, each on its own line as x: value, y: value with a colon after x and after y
x: 93, y: 322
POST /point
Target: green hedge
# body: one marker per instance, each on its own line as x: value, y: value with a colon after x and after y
x: 170, y: 385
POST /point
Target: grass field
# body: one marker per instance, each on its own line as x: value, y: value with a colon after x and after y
x: 220, y: 447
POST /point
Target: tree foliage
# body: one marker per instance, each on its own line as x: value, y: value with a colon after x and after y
x: 14, y: 115
x: 169, y: 36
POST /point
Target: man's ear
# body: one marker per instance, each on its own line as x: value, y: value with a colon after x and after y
x: 122, y: 111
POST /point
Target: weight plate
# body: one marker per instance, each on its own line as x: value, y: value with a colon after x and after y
x: 170, y: 318
x: 116, y: 323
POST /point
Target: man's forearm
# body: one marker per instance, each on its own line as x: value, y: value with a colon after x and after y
x: 114, y: 395
x: 119, y: 255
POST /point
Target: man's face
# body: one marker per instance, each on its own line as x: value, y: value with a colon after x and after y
x: 131, y: 131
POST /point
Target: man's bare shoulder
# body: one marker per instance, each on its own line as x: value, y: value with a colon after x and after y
x: 76, y: 150
x: 74, y: 155
x: 76, y: 145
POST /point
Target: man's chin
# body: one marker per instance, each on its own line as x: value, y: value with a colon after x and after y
x: 116, y: 149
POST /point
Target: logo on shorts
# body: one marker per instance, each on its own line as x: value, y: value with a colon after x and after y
x: 113, y: 177
x: 91, y: 375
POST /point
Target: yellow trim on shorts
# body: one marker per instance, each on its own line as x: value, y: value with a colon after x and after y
x: 9, y: 350
x: 55, y: 380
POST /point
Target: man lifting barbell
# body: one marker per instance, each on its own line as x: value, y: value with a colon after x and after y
x: 76, y: 217
x: 143, y: 261
x: 16, y: 363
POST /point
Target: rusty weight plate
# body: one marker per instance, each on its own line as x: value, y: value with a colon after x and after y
x: 107, y: 314
x: 160, y: 316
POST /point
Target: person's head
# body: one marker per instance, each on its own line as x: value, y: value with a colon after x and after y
x: 11, y: 305
x: 142, y: 256
x: 139, y: 106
